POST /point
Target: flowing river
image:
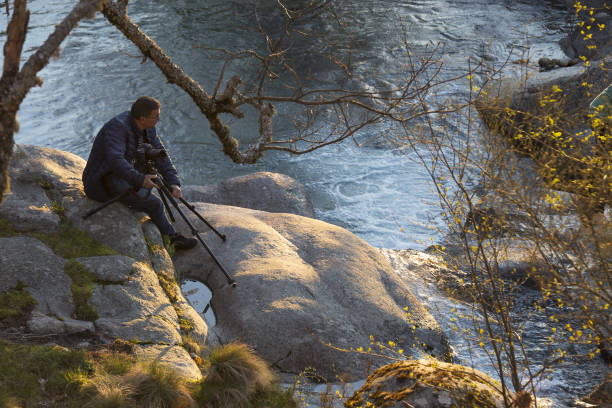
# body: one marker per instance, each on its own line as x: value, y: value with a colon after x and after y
x: 382, y: 196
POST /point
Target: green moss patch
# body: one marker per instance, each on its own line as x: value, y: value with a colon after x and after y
x: 6, y: 230
x: 83, y: 283
x: 37, y: 375
x: 15, y: 304
x: 59, y: 209
x: 117, y: 363
x: 152, y: 247
x: 185, y: 325
x: 169, y: 286
x: 70, y: 242
x: 34, y: 373
x: 406, y: 380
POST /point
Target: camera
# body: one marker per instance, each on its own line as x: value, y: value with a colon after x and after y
x: 146, y: 155
x: 146, y: 152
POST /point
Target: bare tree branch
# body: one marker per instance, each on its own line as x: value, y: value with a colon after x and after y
x: 350, y: 110
x: 16, y: 33
x: 358, y: 108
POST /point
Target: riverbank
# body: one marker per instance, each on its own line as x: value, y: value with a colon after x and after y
x: 264, y: 251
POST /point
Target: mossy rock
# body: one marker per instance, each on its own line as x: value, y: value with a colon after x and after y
x: 15, y: 305
x: 6, y: 230
x: 427, y: 384
x: 83, y: 283
x: 70, y: 242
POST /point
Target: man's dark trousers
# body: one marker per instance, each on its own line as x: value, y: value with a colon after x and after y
x: 142, y: 200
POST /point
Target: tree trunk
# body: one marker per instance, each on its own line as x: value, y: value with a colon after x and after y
x: 14, y: 83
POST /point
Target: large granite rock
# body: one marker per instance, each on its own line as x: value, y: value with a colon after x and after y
x: 46, y: 183
x: 134, y: 307
x: 303, y: 288
x: 29, y: 261
x: 128, y: 298
x: 265, y: 191
x: 599, y: 25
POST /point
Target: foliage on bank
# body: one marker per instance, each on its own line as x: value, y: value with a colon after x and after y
x: 33, y: 375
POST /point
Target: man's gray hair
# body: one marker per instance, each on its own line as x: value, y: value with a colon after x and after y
x: 143, y: 106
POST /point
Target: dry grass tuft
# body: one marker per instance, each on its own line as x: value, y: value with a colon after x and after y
x: 156, y: 386
x: 108, y: 391
x: 235, y: 373
x: 237, y: 364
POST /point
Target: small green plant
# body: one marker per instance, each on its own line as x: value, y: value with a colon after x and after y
x: 70, y: 242
x: 151, y: 246
x: 58, y: 208
x: 117, y: 363
x: 185, y: 325
x: 82, y: 287
x: 45, y: 184
x: 76, y: 379
x: 33, y: 372
x: 169, y: 286
x: 236, y: 363
x: 191, y: 345
x: 15, y: 304
x: 8, y: 402
x: 6, y: 230
x: 169, y: 246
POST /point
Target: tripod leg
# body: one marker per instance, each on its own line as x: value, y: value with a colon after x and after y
x: 230, y: 281
x: 164, y: 190
x: 106, y: 204
x: 168, y: 209
x: 193, y: 210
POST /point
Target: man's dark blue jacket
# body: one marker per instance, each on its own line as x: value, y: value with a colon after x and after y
x: 114, y: 151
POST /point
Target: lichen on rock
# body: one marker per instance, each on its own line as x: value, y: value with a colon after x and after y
x: 427, y: 384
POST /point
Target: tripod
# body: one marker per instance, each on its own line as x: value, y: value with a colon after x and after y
x: 166, y: 196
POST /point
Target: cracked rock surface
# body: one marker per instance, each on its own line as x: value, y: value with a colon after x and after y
x: 130, y: 304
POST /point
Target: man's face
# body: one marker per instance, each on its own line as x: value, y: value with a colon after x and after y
x: 148, y: 122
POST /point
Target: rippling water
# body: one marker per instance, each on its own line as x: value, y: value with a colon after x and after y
x: 371, y: 191
x: 380, y: 195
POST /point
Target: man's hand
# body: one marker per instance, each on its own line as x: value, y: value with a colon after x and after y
x: 148, y: 181
x: 176, y: 191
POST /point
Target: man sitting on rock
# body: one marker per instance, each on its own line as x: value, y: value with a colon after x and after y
x: 114, y: 166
